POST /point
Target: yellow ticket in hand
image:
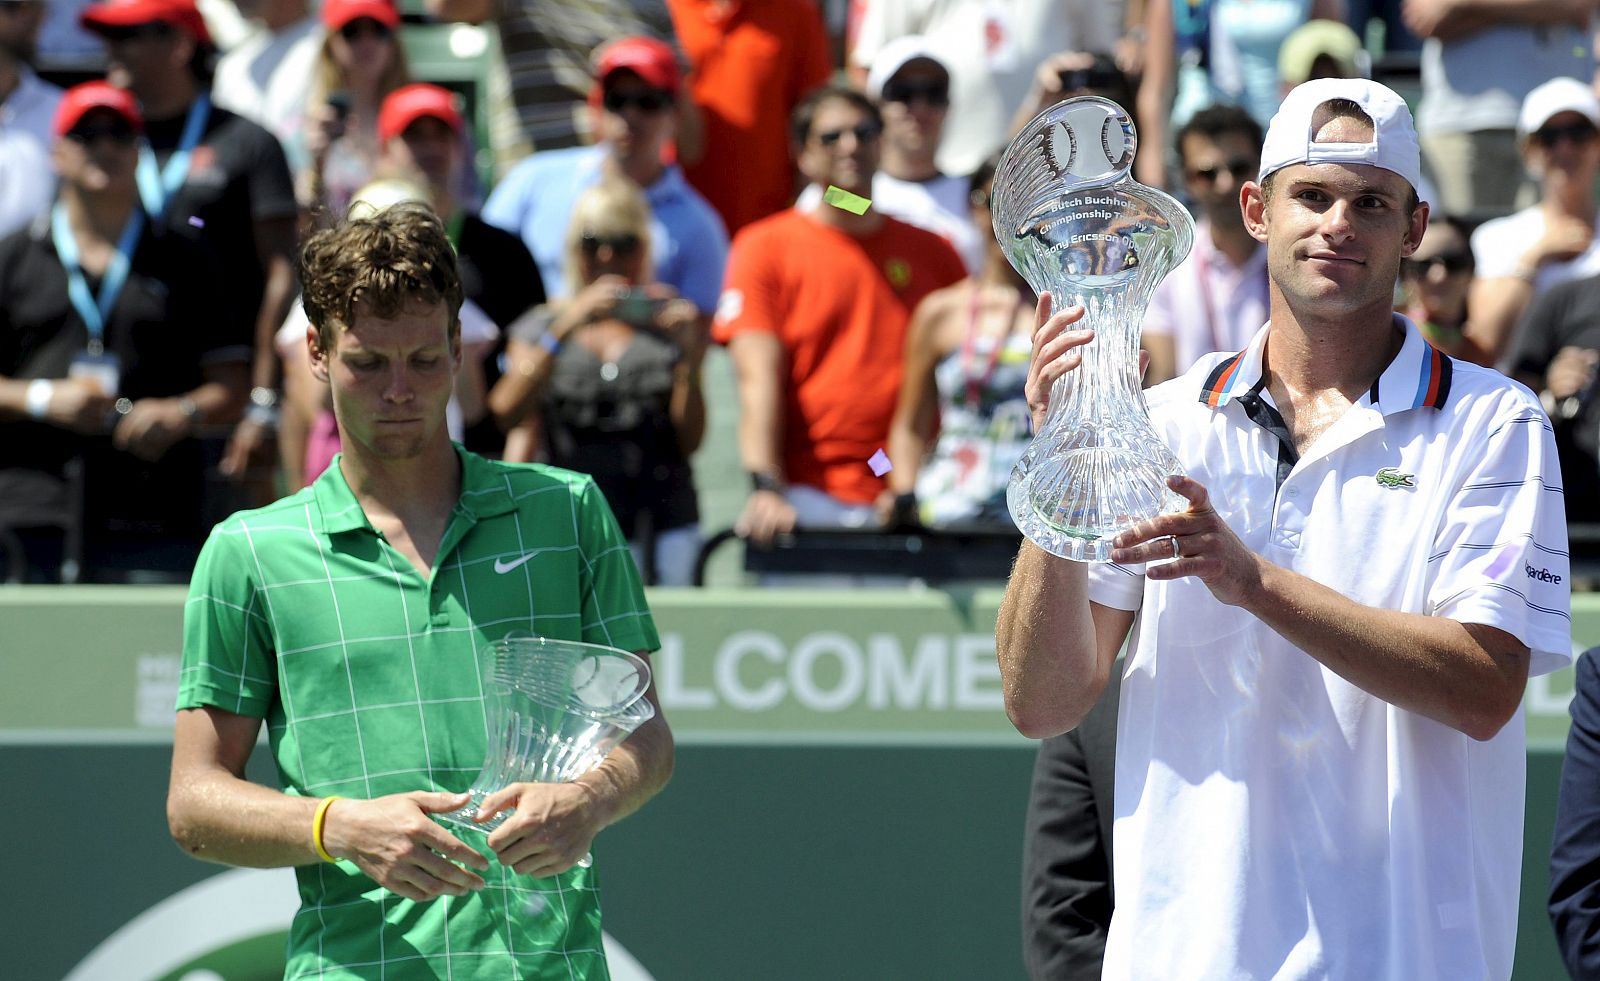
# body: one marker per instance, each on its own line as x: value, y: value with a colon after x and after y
x: 841, y: 198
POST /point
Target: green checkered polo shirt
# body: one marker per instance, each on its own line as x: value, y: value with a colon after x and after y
x: 368, y: 677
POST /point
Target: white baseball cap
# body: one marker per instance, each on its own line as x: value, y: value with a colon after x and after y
x: 1553, y: 98
x: 893, y: 56
x: 1394, y: 137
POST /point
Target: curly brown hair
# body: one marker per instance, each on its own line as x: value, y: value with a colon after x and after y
x: 385, y: 262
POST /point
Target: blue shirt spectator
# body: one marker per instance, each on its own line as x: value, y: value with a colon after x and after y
x: 636, y: 85
x: 535, y: 202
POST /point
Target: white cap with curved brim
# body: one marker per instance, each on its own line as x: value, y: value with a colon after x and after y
x: 893, y: 57
x: 1291, y: 139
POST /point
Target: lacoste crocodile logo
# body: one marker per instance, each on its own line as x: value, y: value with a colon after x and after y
x: 1392, y: 477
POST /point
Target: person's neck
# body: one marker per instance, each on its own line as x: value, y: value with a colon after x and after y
x: 443, y: 201
x: 275, y: 15
x: 852, y: 224
x: 96, y: 216
x: 1234, y: 241
x: 10, y: 76
x: 1569, y: 198
x: 643, y: 169
x: 409, y: 489
x: 905, y: 166
x: 1310, y: 353
x: 170, y: 99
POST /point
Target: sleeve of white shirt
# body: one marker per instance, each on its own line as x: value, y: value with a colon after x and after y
x: 1497, y: 246
x: 1121, y: 587
x: 1158, y: 316
x: 1500, y: 557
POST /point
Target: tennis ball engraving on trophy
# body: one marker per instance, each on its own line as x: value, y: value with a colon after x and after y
x: 1074, y: 222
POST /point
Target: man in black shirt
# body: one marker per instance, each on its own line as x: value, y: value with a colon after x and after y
x: 212, y: 176
x: 111, y: 357
x: 1556, y: 354
x: 420, y: 130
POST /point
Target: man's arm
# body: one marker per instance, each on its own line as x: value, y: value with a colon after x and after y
x: 1447, y: 19
x: 555, y: 824
x: 1467, y: 676
x: 217, y: 815
x: 758, y: 364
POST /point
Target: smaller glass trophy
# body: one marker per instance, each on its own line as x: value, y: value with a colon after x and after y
x: 555, y: 709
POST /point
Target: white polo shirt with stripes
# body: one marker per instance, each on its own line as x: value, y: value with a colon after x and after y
x: 1272, y: 819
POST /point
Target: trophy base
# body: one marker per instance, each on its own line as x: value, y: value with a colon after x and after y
x: 1075, y: 503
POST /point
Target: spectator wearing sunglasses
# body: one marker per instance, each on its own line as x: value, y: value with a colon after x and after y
x: 217, y: 178
x: 912, y: 88
x: 1553, y: 240
x: 359, y: 63
x: 607, y: 382
x: 112, y: 359
x: 1435, y: 283
x: 1216, y: 299
x: 27, y: 105
x: 635, y: 89
x: 815, y: 315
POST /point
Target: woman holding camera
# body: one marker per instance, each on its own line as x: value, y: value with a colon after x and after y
x: 607, y: 382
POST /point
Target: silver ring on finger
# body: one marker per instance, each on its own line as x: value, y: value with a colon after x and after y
x: 1177, y: 552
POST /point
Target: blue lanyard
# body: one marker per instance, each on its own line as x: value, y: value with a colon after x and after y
x: 156, y: 186
x: 95, y: 309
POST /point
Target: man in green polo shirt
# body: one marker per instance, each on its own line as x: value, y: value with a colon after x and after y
x: 349, y: 615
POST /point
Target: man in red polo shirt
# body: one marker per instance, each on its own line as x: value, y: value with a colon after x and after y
x: 814, y: 314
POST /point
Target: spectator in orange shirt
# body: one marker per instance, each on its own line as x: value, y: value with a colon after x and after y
x: 814, y: 313
x: 752, y: 63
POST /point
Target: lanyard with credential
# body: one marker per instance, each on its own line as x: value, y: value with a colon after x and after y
x: 95, y: 309
x: 156, y: 185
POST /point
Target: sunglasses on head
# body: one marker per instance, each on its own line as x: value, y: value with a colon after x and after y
x: 1241, y: 169
x: 1451, y: 262
x: 363, y: 26
x: 649, y: 101
x: 154, y: 29
x: 624, y: 245
x: 1577, y: 133
x: 865, y: 133
x: 936, y: 94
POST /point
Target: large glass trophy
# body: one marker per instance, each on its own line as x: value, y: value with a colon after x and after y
x: 555, y: 708
x: 1074, y: 222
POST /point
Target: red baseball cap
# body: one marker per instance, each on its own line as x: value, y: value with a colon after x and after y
x: 80, y: 100
x: 337, y: 13
x: 652, y: 60
x: 182, y: 14
x: 409, y: 103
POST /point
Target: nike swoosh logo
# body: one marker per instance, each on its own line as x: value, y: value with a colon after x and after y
x: 501, y: 566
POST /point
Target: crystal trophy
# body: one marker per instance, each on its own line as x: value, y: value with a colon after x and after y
x: 555, y: 709
x: 1073, y: 221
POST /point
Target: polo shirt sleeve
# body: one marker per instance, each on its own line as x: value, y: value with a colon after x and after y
x: 751, y: 295
x: 271, y: 184
x: 228, y: 652
x: 1500, y: 557
x: 614, y: 609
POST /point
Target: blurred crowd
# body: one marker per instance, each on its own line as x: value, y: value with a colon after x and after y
x: 636, y: 183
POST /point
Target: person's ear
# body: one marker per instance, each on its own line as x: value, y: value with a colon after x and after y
x: 318, y: 357
x: 1253, y: 206
x: 1417, y: 225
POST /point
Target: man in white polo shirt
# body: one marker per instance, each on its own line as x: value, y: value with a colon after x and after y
x: 1320, y: 756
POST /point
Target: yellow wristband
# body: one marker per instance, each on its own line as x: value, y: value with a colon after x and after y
x: 317, y: 821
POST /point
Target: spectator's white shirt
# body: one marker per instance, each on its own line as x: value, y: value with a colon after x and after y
x: 27, y: 180
x: 1498, y: 246
x: 939, y: 206
x: 267, y: 80
x: 1273, y: 820
x: 992, y: 50
x: 1207, y: 304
